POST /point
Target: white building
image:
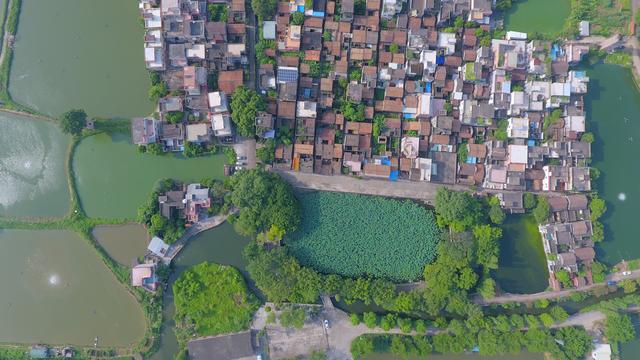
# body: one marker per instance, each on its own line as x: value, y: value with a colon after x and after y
x: 518, y: 128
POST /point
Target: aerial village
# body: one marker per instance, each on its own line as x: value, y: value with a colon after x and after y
x: 398, y: 90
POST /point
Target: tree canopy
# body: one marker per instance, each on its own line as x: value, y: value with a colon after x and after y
x: 264, y: 199
x: 73, y: 121
x: 214, y: 298
x: 264, y: 9
x: 245, y: 105
x: 458, y: 210
x: 618, y: 328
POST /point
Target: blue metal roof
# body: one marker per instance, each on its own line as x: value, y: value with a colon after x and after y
x: 287, y: 75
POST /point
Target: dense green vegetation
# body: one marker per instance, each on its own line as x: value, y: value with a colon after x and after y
x: 213, y: 299
x: 265, y: 201
x: 264, y: 9
x: 606, y: 16
x: 73, y: 121
x: 563, y: 344
x: 356, y: 235
x: 245, y: 105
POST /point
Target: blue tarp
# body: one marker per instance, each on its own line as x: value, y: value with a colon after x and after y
x: 471, y: 160
x: 427, y: 87
x: 439, y: 59
x: 301, y: 8
x: 385, y: 161
x: 318, y: 14
x: 408, y: 115
x: 531, y: 143
x: 394, y: 175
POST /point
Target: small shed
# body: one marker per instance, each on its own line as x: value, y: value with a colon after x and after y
x: 269, y: 30
x: 584, y: 28
x: 158, y: 247
x: 39, y: 352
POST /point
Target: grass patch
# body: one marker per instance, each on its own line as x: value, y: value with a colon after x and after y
x: 212, y: 299
x: 355, y: 235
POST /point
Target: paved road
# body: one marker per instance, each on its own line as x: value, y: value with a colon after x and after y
x: 401, y: 189
x: 506, y: 298
x: 425, y: 191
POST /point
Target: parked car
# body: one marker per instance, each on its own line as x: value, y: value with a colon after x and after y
x: 242, y: 158
x: 612, y: 283
x: 626, y: 273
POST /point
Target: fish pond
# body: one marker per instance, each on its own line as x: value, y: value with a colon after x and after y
x: 546, y: 17
x: 113, y: 178
x: 57, y: 290
x: 522, y: 267
x: 80, y: 54
x: 33, y: 181
x: 123, y: 243
x: 613, y: 115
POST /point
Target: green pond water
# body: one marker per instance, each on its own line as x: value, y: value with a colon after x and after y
x: 522, y: 266
x: 613, y: 114
x: 33, y: 181
x: 543, y: 16
x: 80, y: 54
x: 56, y: 290
x: 220, y: 245
x: 113, y: 178
x: 123, y: 243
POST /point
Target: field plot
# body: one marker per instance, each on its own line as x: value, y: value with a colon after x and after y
x: 355, y: 235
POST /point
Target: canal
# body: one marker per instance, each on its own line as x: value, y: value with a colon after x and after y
x: 522, y: 267
x: 613, y: 114
x: 123, y: 243
x: 80, y: 54
x: 220, y: 245
x: 32, y: 168
x: 546, y: 17
x: 56, y: 290
x: 113, y: 178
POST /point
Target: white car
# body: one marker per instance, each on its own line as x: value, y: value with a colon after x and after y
x: 326, y: 323
x: 626, y: 273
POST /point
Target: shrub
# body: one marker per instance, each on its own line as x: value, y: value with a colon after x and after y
x: 293, y: 317
x: 370, y: 319
x: 355, y: 319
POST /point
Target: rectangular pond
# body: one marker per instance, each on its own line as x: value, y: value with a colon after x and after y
x: 80, y: 54
x: 113, y: 178
x: 522, y: 267
x: 542, y: 16
x: 33, y: 180
x: 57, y: 290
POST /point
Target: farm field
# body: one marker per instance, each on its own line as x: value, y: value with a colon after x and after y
x: 354, y: 235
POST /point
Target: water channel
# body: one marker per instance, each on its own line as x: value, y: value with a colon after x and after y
x: 123, y: 243
x: 220, y: 245
x: 113, y: 178
x: 542, y: 16
x: 57, y: 290
x: 33, y: 180
x: 80, y: 54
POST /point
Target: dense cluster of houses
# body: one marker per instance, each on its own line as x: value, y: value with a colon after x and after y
x: 567, y: 240
x: 198, y: 50
x: 418, y: 90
